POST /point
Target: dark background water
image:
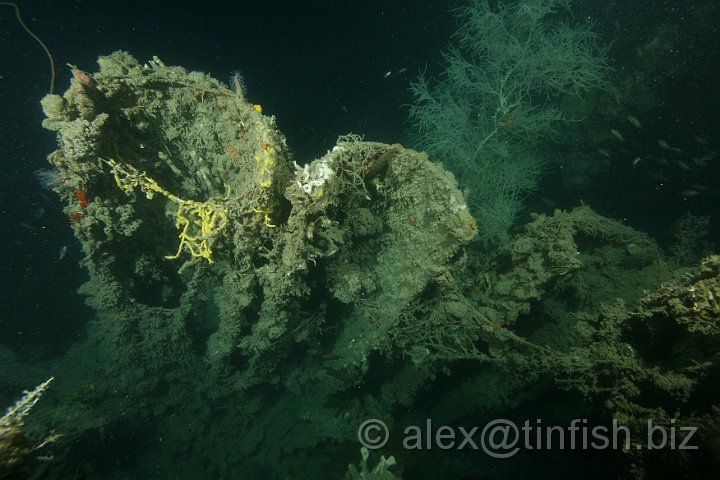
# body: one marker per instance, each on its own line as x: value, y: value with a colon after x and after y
x: 320, y: 67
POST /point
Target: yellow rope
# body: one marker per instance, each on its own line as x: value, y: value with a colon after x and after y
x: 37, y: 39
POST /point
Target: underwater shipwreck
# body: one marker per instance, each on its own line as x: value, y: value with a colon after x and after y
x: 252, y: 312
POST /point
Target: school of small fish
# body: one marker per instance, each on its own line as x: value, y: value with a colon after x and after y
x: 667, y: 157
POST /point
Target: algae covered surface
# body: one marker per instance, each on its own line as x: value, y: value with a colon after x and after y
x: 253, y: 312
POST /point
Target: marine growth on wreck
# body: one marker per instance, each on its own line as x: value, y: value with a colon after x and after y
x: 253, y: 309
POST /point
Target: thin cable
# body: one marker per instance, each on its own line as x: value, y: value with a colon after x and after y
x: 37, y: 39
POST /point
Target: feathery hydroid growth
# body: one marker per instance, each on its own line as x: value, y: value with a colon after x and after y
x: 505, y: 69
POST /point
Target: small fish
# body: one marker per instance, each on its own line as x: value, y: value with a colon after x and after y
x: 63, y: 251
x: 636, y: 161
x: 330, y: 356
x: 387, y: 74
x: 634, y: 121
x: 344, y: 108
x: 701, y: 141
x: 657, y: 176
x: 690, y: 193
x: 699, y: 162
x: 402, y: 70
x: 683, y: 165
x: 604, y: 153
x: 29, y: 227
x: 617, y: 134
x: 664, y: 145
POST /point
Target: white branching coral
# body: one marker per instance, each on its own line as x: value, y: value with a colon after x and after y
x: 16, y: 451
x: 311, y: 178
